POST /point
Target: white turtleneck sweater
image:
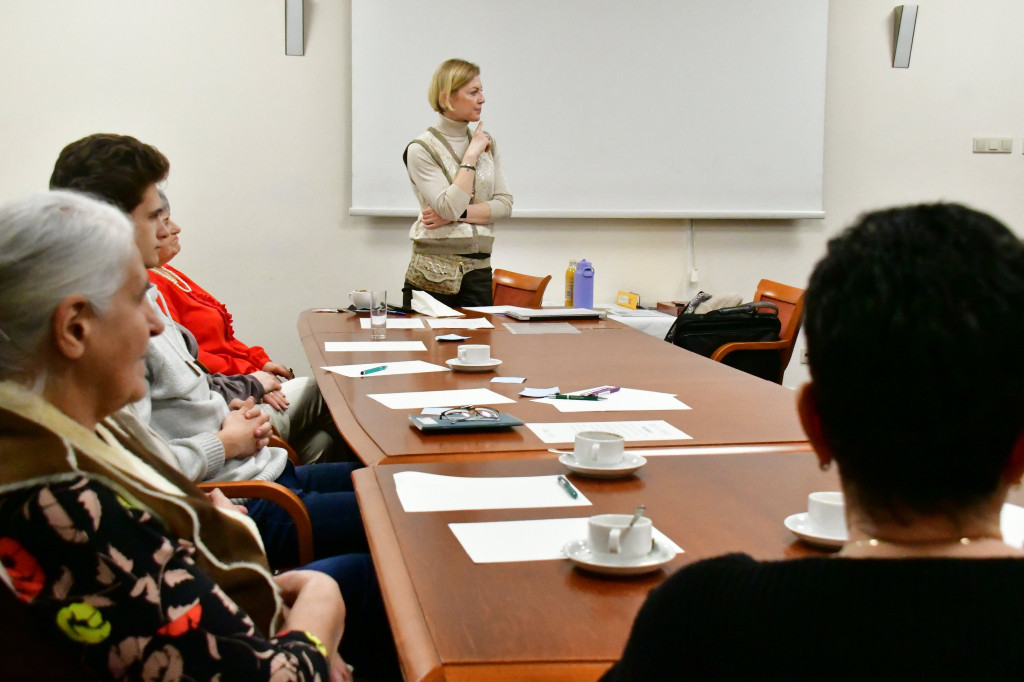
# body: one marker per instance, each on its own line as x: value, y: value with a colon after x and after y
x: 432, y: 187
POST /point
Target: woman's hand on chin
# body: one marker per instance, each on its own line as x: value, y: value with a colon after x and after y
x: 478, y: 144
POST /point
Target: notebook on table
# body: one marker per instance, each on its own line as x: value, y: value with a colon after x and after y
x: 432, y: 423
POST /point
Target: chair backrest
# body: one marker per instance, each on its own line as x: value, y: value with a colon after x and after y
x: 790, y: 301
x: 513, y: 288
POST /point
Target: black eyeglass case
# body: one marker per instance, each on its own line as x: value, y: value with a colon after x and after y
x: 434, y: 424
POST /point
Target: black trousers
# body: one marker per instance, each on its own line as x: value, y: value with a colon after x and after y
x: 475, y: 291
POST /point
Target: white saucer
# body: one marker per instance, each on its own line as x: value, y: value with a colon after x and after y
x: 800, y: 526
x: 460, y: 366
x: 1011, y: 522
x: 578, y: 552
x: 628, y: 465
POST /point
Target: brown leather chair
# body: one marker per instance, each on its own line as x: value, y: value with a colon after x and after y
x: 278, y: 494
x: 790, y: 302
x: 513, y: 288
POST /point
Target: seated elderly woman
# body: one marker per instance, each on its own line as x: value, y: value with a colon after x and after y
x: 113, y: 564
x: 295, y: 406
x: 914, y: 332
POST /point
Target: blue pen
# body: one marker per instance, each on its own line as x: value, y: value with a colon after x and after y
x: 372, y: 370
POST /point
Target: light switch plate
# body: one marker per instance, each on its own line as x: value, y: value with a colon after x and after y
x: 993, y: 145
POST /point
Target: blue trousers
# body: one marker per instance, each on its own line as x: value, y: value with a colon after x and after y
x: 326, y: 490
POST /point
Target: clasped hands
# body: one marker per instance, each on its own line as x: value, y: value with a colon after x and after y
x: 245, y: 431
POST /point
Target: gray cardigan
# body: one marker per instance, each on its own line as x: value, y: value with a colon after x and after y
x: 182, y: 408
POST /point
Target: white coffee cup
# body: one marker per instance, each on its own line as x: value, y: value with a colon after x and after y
x: 360, y: 298
x: 826, y: 512
x: 611, y: 534
x: 474, y: 354
x: 599, y: 447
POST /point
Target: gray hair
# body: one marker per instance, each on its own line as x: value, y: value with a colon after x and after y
x: 53, y: 245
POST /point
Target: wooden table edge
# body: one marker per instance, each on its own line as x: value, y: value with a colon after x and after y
x: 416, y: 652
x: 581, y: 671
x: 364, y: 447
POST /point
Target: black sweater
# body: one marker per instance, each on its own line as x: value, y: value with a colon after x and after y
x: 828, y: 618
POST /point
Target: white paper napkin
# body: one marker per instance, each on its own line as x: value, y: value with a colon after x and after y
x: 535, y: 540
x: 424, y: 303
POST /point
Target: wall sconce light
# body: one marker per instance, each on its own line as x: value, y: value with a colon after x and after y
x: 904, y: 20
x: 294, y: 32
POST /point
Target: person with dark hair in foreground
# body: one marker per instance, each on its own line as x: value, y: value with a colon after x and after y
x: 917, y: 395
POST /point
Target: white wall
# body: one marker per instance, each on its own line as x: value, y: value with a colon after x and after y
x: 258, y: 144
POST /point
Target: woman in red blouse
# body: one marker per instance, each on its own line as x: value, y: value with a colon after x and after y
x: 295, y: 406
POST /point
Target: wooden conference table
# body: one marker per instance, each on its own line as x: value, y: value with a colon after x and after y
x: 456, y: 620
x: 546, y: 620
x: 730, y: 408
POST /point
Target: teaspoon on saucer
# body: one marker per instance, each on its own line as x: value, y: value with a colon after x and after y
x: 640, y: 509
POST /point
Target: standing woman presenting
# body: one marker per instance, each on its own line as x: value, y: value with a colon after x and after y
x: 457, y: 178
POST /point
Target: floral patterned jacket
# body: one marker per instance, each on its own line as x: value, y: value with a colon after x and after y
x: 116, y: 567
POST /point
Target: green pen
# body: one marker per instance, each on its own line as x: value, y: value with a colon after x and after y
x: 562, y: 396
x: 372, y: 370
x: 564, y: 482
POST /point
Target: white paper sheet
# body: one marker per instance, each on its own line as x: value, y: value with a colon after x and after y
x: 620, y: 311
x: 538, y: 392
x: 454, y: 398
x: 626, y: 399
x: 630, y: 430
x: 401, y: 367
x: 395, y: 323
x: 421, y: 492
x: 541, y: 328
x: 537, y: 540
x: 460, y: 323
x: 382, y: 346
x: 508, y: 380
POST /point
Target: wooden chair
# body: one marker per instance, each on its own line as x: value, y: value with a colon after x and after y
x: 278, y: 494
x: 512, y: 288
x: 790, y: 301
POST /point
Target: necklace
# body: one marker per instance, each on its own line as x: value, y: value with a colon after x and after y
x: 875, y: 542
x: 962, y: 546
x: 174, y: 279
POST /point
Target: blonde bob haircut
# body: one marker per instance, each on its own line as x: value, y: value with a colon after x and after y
x: 449, y: 77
